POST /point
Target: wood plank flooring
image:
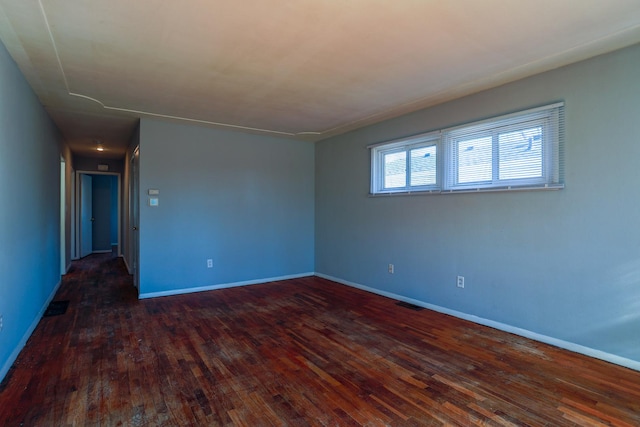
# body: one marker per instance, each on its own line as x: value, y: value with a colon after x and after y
x: 302, y: 352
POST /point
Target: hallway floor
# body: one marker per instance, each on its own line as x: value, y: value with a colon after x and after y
x: 301, y: 352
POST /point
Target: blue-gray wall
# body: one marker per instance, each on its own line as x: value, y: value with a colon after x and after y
x: 90, y: 164
x: 105, y: 226
x: 30, y: 147
x: 563, y: 264
x: 114, y: 210
x: 245, y: 201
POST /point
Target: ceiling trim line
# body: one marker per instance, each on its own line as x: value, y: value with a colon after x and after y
x: 188, y: 119
x: 53, y: 43
x: 147, y: 113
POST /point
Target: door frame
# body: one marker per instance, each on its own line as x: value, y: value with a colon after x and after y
x: 63, y: 216
x: 85, y: 215
x: 134, y: 216
x: 76, y: 211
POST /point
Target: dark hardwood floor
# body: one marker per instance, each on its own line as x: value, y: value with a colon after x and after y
x: 294, y: 353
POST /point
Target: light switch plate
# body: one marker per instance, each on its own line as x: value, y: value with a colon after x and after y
x: 153, y: 201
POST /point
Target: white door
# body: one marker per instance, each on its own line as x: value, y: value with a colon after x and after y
x: 86, y: 216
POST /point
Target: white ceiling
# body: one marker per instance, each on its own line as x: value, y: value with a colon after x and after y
x: 305, y: 69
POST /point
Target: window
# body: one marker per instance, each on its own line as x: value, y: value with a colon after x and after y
x: 521, y: 150
x: 406, y: 165
x: 517, y: 151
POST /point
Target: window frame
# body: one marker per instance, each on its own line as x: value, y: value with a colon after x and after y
x: 406, y: 145
x: 550, y: 118
x: 547, y: 118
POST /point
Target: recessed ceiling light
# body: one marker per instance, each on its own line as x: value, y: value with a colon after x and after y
x: 98, y: 144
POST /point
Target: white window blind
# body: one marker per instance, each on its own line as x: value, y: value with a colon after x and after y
x: 523, y: 150
x: 520, y: 150
x: 406, y: 165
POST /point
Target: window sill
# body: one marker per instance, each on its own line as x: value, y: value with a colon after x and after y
x: 551, y: 187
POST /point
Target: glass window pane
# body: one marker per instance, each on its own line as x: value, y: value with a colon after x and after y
x: 395, y: 170
x: 423, y: 166
x: 520, y: 154
x: 474, y: 160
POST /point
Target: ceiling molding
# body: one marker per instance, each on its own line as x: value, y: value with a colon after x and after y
x: 149, y: 113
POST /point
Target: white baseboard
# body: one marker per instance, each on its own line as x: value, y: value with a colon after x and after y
x: 221, y: 286
x: 576, y: 348
x: 126, y: 264
x: 16, y: 351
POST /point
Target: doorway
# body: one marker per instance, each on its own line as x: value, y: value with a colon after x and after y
x: 98, y: 213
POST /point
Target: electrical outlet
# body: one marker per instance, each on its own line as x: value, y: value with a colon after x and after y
x: 460, y: 281
x: 391, y: 269
x: 209, y: 263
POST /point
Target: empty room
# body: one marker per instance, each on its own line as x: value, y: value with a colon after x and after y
x: 324, y: 213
